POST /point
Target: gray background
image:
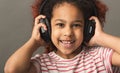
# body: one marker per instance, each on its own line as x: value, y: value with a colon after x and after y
x: 16, y: 23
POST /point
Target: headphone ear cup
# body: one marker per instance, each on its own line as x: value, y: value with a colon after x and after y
x: 89, y: 30
x: 45, y: 34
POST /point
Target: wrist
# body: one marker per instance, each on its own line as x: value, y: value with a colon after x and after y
x: 101, y: 39
x: 34, y: 43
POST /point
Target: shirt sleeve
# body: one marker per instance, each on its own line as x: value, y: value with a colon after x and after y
x: 106, y: 53
x: 36, y: 62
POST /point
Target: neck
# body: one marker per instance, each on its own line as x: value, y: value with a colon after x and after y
x: 71, y: 55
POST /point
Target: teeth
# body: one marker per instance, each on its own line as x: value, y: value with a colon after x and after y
x: 67, y: 42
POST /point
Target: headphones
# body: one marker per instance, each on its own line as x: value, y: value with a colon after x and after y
x: 89, y: 27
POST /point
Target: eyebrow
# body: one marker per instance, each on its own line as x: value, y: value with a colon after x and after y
x: 78, y: 21
x: 60, y: 20
x: 65, y: 21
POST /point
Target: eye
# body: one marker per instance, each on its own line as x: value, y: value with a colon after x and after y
x: 60, y: 25
x: 76, y: 25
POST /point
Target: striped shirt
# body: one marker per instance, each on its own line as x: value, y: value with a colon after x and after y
x: 92, y: 60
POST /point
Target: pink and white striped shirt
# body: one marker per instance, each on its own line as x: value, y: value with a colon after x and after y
x: 92, y: 60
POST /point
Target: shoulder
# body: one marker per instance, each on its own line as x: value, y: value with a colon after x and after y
x: 42, y: 56
x: 40, y: 60
x: 98, y: 50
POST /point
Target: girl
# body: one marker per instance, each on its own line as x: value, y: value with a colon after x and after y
x: 67, y: 49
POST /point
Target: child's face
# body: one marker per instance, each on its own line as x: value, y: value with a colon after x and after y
x: 67, y: 26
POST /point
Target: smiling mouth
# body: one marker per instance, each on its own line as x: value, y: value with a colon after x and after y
x: 67, y: 43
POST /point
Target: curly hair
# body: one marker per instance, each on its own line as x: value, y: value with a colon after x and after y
x: 88, y: 7
x: 85, y: 5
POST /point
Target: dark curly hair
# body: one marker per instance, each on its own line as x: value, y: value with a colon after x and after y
x: 88, y: 7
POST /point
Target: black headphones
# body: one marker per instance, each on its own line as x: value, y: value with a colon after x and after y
x: 89, y: 27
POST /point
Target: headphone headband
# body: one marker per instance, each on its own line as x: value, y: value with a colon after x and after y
x: 42, y: 5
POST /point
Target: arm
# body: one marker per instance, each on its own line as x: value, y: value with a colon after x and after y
x: 113, y: 43
x: 106, y: 40
x: 19, y: 62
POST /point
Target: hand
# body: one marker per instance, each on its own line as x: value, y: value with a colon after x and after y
x: 36, y: 31
x: 98, y: 31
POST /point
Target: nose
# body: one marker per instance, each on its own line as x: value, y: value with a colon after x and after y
x: 68, y: 31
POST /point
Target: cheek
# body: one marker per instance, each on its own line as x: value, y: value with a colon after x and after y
x: 55, y: 34
x: 79, y: 35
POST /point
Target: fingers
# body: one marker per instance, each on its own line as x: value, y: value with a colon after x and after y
x: 37, y: 19
x: 94, y: 18
x: 98, y: 23
x: 98, y: 31
x: 38, y: 24
x: 36, y: 29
